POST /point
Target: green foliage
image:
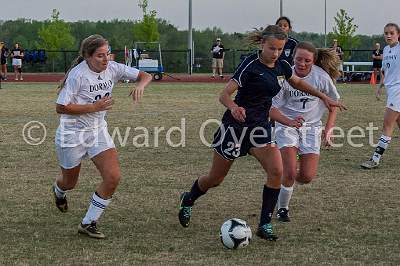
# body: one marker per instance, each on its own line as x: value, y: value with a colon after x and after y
x: 344, y: 31
x: 55, y: 35
x: 147, y: 29
x: 119, y: 34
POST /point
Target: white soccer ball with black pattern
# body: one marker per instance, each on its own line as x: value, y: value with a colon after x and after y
x: 235, y: 233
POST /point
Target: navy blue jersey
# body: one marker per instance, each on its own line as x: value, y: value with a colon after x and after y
x: 258, y: 84
x: 218, y: 51
x: 288, y: 51
x: 377, y: 53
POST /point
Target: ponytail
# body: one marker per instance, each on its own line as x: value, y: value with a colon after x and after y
x: 259, y: 35
x: 328, y: 61
x: 76, y: 62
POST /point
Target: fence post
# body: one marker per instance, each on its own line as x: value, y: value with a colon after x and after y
x: 234, y: 60
x: 189, y: 61
x: 65, y: 61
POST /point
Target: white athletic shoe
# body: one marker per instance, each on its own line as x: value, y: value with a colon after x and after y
x: 370, y: 164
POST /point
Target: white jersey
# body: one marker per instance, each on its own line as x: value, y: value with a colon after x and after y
x: 84, y: 86
x: 292, y: 102
x: 391, y: 66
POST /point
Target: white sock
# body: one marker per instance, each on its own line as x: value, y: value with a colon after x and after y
x: 284, y: 197
x: 59, y: 192
x: 96, y: 208
x: 383, y: 143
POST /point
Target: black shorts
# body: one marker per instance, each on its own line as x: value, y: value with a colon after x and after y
x: 377, y: 64
x: 3, y: 62
x: 234, y: 142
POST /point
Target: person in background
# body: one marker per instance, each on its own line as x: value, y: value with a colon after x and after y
x: 391, y: 81
x: 286, y: 25
x: 4, y: 53
x: 218, y: 53
x: 17, y: 54
x: 377, y: 57
x: 339, y: 52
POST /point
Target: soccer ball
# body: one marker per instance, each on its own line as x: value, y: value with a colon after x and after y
x: 235, y: 233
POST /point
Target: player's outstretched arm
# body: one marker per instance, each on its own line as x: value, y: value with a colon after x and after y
x: 142, y: 81
x: 301, y: 85
x: 77, y: 109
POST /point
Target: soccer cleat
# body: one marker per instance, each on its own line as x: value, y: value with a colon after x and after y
x: 283, y: 215
x: 185, y: 211
x: 266, y: 232
x: 370, y: 164
x: 90, y: 230
x: 61, y: 203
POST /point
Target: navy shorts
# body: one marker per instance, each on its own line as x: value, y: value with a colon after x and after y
x: 232, y: 142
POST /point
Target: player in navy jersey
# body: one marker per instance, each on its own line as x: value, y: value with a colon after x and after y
x: 319, y: 69
x: 286, y: 25
x: 84, y: 98
x: 391, y: 81
x: 3, y: 60
x: 245, y: 128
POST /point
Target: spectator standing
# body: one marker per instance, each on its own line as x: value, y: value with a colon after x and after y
x: 339, y: 52
x: 218, y: 53
x: 17, y: 54
x: 3, y: 60
x: 377, y: 57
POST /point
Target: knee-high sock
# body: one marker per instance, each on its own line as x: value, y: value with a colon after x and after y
x: 383, y: 143
x: 96, y: 208
x: 270, y: 197
x: 194, y: 194
x: 284, y: 197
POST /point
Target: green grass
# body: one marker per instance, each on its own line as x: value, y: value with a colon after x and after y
x: 346, y: 216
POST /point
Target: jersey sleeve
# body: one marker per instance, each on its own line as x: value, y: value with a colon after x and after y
x: 123, y: 72
x: 69, y: 91
x: 329, y: 89
x: 241, y: 74
x: 287, y: 69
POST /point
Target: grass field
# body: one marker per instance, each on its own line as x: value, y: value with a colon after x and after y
x: 348, y: 216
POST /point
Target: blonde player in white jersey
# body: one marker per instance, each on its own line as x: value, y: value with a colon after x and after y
x: 319, y: 69
x: 85, y: 96
x: 391, y: 81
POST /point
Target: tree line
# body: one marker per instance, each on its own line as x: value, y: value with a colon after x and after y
x: 56, y: 34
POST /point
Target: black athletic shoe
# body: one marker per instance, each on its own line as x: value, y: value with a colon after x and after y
x: 185, y: 212
x: 283, y: 215
x: 62, y: 203
x: 266, y: 232
x: 90, y: 230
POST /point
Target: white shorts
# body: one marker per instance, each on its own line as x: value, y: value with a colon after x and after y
x: 393, y: 98
x: 73, y: 146
x: 307, y: 138
x: 17, y: 62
